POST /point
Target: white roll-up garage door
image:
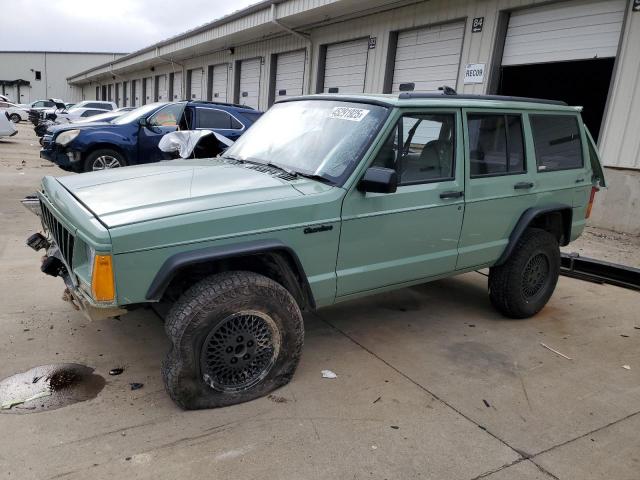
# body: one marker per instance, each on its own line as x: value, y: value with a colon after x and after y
x: 136, y: 93
x: 195, y: 90
x: 250, y: 82
x: 428, y: 57
x: 289, y: 73
x: 346, y: 66
x: 576, y: 30
x: 177, y: 86
x: 219, y: 82
x: 162, y: 88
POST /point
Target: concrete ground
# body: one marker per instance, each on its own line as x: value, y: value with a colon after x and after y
x: 432, y: 383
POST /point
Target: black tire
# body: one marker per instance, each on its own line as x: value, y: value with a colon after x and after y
x: 15, y: 118
x: 104, y: 159
x: 522, y: 286
x: 41, y: 141
x: 215, y: 321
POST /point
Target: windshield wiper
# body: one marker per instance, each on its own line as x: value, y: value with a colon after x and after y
x: 280, y: 167
x: 313, y: 176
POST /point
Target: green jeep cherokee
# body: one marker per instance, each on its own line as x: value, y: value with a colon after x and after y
x: 325, y: 199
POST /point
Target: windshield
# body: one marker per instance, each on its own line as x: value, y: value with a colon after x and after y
x: 324, y: 138
x: 134, y: 115
x: 101, y: 117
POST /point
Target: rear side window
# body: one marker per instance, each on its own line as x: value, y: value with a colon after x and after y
x: 557, y: 142
x: 496, y: 146
x: 210, y: 118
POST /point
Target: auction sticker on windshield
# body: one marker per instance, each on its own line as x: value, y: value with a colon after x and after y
x: 349, y: 113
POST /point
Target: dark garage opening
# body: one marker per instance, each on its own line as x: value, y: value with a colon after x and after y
x: 580, y: 82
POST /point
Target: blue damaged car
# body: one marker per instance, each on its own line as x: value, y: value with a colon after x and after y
x: 133, y: 138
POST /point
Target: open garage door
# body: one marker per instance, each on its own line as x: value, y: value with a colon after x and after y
x: 249, y: 93
x: 550, y: 50
x: 428, y: 58
x: 345, y: 66
x: 162, y: 89
x: 217, y: 83
x: 194, y: 84
x: 289, y: 76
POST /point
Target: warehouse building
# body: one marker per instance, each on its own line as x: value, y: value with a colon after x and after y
x: 29, y: 76
x: 581, y: 51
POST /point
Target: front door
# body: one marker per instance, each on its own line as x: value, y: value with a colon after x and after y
x: 157, y: 126
x: 412, y: 234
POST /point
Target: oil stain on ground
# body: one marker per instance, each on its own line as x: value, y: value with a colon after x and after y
x: 49, y: 387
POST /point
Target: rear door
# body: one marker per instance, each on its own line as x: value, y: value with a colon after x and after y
x: 158, y: 125
x: 500, y: 183
x: 220, y: 121
x: 410, y: 235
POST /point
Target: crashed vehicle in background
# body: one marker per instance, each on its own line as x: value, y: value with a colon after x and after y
x: 15, y: 112
x: 326, y: 198
x: 133, y: 138
x: 50, y: 126
x: 7, y: 127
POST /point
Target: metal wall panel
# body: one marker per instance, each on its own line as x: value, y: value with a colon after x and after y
x: 428, y: 57
x: 250, y: 73
x: 289, y: 78
x: 576, y: 30
x: 346, y: 66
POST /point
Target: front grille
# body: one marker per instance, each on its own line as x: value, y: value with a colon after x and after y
x: 61, y: 236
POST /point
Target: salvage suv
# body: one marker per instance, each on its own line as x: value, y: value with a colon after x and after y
x: 325, y: 199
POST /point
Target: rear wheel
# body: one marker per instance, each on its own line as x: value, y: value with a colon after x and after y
x: 235, y: 336
x: 104, y: 159
x: 522, y: 286
x: 14, y: 117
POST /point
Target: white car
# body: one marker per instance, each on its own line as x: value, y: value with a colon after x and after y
x: 15, y: 112
x: 7, y: 127
x: 81, y: 110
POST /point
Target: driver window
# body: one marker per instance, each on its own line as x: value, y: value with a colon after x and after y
x: 166, y: 117
x: 426, y: 151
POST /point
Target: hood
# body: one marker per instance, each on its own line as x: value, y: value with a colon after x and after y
x: 147, y: 192
x: 78, y: 126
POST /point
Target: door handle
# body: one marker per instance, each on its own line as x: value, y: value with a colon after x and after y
x: 452, y: 194
x: 523, y: 185
x: 579, y: 180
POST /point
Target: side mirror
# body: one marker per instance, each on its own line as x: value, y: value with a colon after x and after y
x: 379, y: 180
x: 143, y: 122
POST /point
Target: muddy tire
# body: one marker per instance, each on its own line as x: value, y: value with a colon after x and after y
x: 522, y: 286
x: 235, y: 336
x: 104, y: 159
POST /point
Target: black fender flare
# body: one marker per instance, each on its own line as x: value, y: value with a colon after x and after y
x: 528, y: 217
x: 175, y: 263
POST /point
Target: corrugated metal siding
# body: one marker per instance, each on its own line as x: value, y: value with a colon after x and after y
x: 574, y: 30
x: 290, y: 68
x: 619, y: 140
x: 428, y: 57
x: 250, y: 75
x: 346, y: 66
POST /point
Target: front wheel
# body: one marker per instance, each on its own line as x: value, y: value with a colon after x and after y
x: 235, y: 336
x: 14, y: 117
x: 522, y: 286
x: 104, y: 159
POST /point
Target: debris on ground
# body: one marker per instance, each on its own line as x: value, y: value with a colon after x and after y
x: 555, y: 351
x: 395, y: 427
x: 277, y: 399
x: 328, y: 374
x: 624, y: 336
x: 116, y: 371
x: 626, y: 367
x: 136, y: 386
x: 377, y: 400
x: 486, y: 404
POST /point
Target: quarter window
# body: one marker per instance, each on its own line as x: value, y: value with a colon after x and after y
x: 420, y: 148
x: 496, y: 146
x: 557, y: 142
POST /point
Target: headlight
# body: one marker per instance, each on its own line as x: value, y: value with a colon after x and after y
x: 67, y: 137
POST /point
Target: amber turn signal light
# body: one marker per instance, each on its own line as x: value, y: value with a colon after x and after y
x: 102, y: 286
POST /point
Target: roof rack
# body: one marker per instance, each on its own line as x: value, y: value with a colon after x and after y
x: 209, y: 102
x: 408, y: 95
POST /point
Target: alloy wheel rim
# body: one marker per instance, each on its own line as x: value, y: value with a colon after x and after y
x: 535, y: 275
x: 240, y: 351
x: 104, y: 162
